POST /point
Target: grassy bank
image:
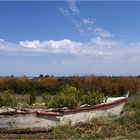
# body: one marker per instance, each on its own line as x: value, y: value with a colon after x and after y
x: 125, y: 126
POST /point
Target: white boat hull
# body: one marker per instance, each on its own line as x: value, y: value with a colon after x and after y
x: 73, y: 116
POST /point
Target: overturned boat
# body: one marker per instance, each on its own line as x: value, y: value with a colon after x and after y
x: 14, y: 118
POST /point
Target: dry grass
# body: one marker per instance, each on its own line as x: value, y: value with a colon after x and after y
x: 22, y: 99
x: 124, y: 126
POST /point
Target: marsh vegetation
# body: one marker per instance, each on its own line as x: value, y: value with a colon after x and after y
x: 71, y: 92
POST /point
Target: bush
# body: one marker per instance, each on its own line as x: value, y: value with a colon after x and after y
x: 71, y: 97
x: 7, y: 99
x: 92, y: 98
x: 133, y: 103
x: 62, y: 100
x: 46, y: 97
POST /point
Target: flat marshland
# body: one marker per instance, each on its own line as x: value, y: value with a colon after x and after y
x: 125, y: 126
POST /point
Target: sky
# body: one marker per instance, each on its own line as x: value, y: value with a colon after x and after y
x: 64, y: 38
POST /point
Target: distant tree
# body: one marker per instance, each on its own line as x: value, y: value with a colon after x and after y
x: 47, y: 76
x: 41, y: 76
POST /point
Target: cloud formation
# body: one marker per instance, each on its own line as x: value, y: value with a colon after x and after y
x: 102, y: 55
x: 87, y: 21
x: 8, y: 46
x: 71, y: 9
x: 102, y: 32
x: 97, y: 46
x: 51, y: 46
x: 84, y: 25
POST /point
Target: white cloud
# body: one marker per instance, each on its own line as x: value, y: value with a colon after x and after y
x: 98, y: 41
x: 1, y: 40
x: 71, y: 9
x: 88, y: 21
x: 8, y: 46
x: 95, y: 47
x: 52, y: 46
x: 85, y: 26
x: 30, y: 44
x: 138, y: 44
x: 102, y: 55
x: 65, y: 46
x: 102, y: 33
x: 68, y: 62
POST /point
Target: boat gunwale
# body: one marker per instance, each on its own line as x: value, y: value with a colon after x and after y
x: 102, y: 105
x: 61, y: 111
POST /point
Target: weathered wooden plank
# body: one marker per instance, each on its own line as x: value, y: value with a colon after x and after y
x: 24, y: 130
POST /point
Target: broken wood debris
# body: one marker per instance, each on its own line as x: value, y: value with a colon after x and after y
x: 24, y: 130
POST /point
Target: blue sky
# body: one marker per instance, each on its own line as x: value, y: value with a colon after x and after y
x: 69, y: 38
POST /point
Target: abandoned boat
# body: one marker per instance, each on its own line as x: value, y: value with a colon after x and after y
x: 47, y: 118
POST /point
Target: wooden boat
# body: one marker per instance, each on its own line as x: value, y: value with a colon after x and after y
x: 52, y: 117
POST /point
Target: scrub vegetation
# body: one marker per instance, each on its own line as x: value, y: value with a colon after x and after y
x: 7, y: 99
x: 125, y: 126
x: 111, y: 86
x: 71, y: 97
x: 74, y: 91
x: 58, y: 92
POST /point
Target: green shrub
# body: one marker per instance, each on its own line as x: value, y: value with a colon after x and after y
x: 7, y: 99
x: 46, y: 97
x: 71, y: 97
x: 133, y: 103
x: 92, y: 98
x: 63, y: 100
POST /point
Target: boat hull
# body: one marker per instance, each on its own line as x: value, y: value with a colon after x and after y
x: 87, y: 115
x: 73, y: 116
